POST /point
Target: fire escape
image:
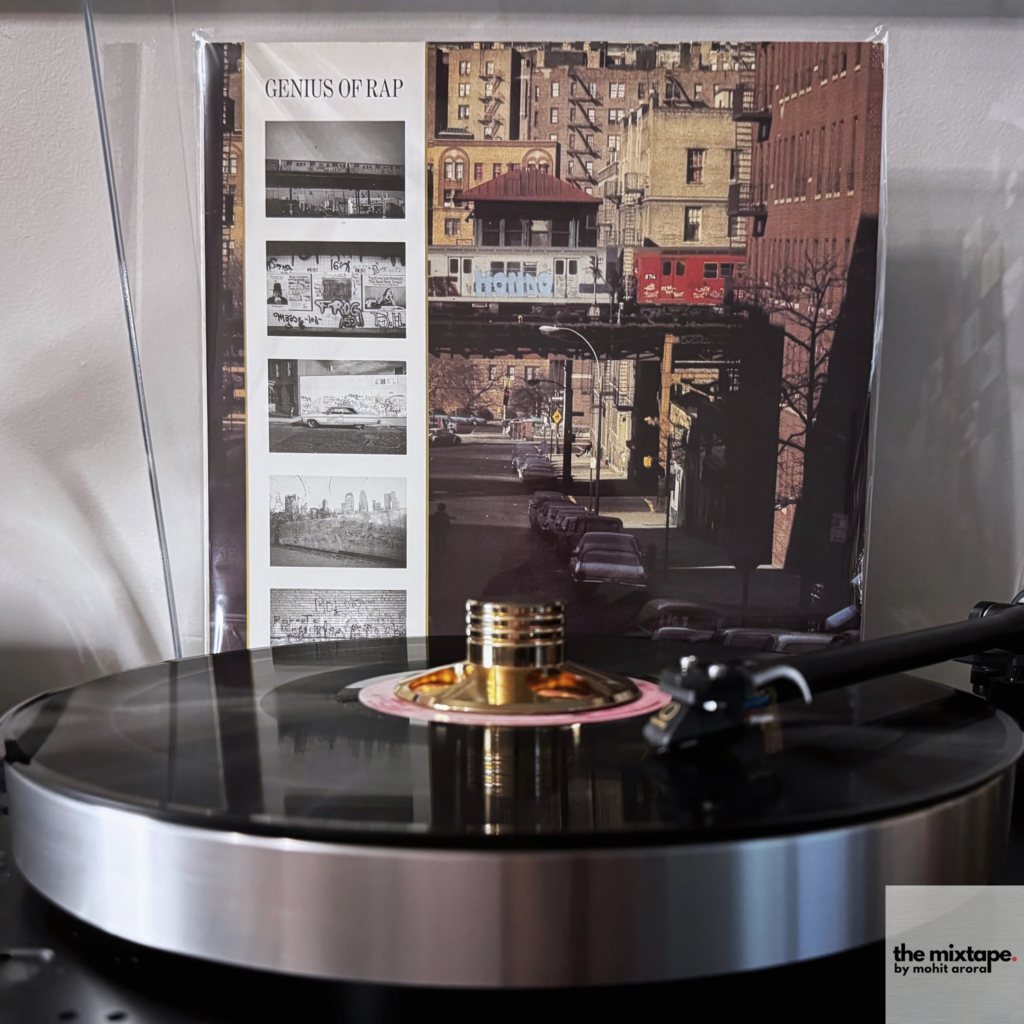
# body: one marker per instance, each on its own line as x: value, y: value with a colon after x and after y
x: 746, y: 197
x: 491, y: 119
x: 584, y: 104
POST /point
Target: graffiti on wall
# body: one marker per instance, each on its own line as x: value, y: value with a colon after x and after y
x: 336, y: 294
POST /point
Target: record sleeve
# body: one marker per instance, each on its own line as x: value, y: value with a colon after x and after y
x: 591, y: 320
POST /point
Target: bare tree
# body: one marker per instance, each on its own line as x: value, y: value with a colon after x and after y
x: 803, y: 299
x: 457, y: 385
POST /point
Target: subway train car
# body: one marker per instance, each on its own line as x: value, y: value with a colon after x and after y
x: 684, y: 277
x: 572, y: 279
x: 334, y: 167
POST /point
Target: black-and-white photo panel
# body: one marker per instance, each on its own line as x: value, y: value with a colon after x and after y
x: 336, y: 289
x: 338, y: 406
x: 352, y: 169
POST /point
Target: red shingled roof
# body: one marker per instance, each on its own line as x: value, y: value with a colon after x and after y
x: 529, y: 184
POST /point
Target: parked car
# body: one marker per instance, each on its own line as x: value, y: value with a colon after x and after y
x: 621, y: 567
x: 444, y: 437
x: 522, y: 452
x: 555, y: 524
x: 546, y: 517
x: 339, y: 416
x: 538, y: 502
x: 605, y: 540
x: 570, y: 534
x: 538, y: 474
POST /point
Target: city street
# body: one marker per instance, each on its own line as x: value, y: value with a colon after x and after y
x: 386, y: 439
x: 493, y: 553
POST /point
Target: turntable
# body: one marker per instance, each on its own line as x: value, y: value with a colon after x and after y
x: 495, y: 815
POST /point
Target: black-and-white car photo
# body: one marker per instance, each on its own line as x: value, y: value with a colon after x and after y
x: 335, y: 169
x: 337, y: 406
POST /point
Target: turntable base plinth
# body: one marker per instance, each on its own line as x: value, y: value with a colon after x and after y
x: 249, y: 809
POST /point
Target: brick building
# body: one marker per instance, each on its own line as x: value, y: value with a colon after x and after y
x: 670, y: 183
x: 476, y: 90
x: 812, y: 209
x: 456, y: 165
x: 581, y: 95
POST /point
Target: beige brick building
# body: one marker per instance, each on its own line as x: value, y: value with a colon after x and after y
x: 455, y: 165
x: 670, y: 183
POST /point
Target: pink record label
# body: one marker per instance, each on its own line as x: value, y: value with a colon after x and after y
x: 380, y: 696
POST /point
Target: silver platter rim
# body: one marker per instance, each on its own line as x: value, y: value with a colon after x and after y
x: 494, y: 918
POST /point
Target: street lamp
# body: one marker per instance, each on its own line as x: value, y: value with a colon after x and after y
x: 566, y: 475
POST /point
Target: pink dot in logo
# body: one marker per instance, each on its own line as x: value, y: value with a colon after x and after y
x: 1014, y: 958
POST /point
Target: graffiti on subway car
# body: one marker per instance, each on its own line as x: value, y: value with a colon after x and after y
x: 510, y: 275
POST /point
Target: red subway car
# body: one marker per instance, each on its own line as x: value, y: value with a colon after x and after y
x: 686, y: 277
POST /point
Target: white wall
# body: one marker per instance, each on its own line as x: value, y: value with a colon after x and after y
x: 80, y: 583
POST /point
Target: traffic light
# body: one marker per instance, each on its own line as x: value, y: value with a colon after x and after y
x: 506, y: 395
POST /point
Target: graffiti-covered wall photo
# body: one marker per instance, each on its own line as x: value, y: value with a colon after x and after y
x: 337, y: 289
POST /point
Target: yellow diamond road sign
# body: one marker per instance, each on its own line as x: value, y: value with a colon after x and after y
x: 556, y: 417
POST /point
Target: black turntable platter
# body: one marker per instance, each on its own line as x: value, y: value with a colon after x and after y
x: 262, y: 774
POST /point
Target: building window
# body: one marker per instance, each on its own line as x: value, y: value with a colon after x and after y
x: 821, y: 161
x: 554, y: 90
x: 553, y: 115
x: 513, y: 167
x: 698, y: 90
x: 593, y: 89
x: 691, y: 224
x: 572, y: 143
x: 842, y: 63
x: 590, y: 168
x: 853, y: 157
x: 592, y: 115
x: 617, y: 90
x: 572, y: 114
x: 510, y: 372
x: 463, y: 111
x: 695, y: 166
x: 856, y: 57
x: 572, y: 88
x: 449, y: 197
x: 734, y: 165
x: 495, y: 170
x: 478, y: 172
x: 488, y: 130
x: 492, y: 372
x: 531, y: 373
x: 640, y: 91
x: 616, y: 116
x: 613, y: 143
x: 572, y: 167
x: 536, y: 92
x: 463, y: 89
x: 453, y: 226
x: 464, y: 67
x: 449, y: 170
x: 489, y: 67
x: 460, y: 170
x: 553, y: 137
x: 488, y: 88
